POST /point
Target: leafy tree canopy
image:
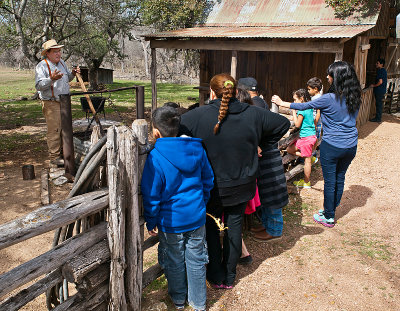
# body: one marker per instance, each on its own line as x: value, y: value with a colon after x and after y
x: 174, y: 14
x: 346, y: 8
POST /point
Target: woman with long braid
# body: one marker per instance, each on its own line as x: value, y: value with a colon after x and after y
x: 231, y: 132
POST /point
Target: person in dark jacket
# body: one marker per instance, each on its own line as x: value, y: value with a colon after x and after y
x: 250, y: 85
x: 176, y: 184
x: 231, y: 132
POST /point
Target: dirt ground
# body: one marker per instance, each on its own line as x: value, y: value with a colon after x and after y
x: 353, y: 266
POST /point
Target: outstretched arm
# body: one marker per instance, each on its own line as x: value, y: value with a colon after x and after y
x: 277, y: 100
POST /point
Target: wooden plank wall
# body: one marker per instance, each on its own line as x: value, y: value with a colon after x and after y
x: 367, y: 108
x: 382, y: 25
x: 276, y: 72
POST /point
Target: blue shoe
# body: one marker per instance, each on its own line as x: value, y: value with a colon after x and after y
x: 323, y: 221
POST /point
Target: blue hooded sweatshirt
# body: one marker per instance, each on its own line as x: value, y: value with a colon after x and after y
x: 176, y: 184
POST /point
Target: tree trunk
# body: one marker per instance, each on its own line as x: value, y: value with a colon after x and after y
x: 94, y: 65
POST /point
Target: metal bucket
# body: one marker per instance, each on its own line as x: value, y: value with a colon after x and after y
x: 28, y: 172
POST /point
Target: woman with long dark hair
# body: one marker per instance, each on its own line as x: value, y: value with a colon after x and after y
x: 339, y: 110
x: 231, y: 132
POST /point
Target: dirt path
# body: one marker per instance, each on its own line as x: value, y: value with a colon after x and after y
x: 354, y: 266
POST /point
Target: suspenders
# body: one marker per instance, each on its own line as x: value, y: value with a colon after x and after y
x: 48, y: 67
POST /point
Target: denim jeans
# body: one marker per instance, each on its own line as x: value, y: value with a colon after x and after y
x: 222, y: 265
x: 272, y: 220
x: 334, y: 162
x: 184, y: 257
x: 379, y: 106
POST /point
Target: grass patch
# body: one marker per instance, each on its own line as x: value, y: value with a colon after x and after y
x: 16, y: 141
x: 166, y: 92
x: 158, y: 284
x: 371, y: 246
x: 15, y: 84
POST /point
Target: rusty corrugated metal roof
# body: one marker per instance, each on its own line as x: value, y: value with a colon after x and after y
x: 279, y: 13
x: 265, y: 32
x: 273, y: 19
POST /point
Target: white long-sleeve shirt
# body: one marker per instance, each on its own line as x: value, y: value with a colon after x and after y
x: 43, y: 82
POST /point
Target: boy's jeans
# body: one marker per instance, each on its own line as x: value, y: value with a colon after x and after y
x: 272, y: 220
x: 334, y: 162
x: 184, y: 257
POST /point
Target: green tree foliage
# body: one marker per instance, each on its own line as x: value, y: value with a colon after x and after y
x: 174, y: 14
x: 346, y: 8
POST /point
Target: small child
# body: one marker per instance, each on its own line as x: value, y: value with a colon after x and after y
x: 304, y: 145
x: 314, y: 87
x: 176, y: 184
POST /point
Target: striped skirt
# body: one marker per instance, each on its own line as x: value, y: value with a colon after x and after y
x: 271, y: 182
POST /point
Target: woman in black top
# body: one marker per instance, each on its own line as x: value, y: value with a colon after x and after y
x: 231, y: 132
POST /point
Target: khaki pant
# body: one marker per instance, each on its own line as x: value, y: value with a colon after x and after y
x: 51, y: 112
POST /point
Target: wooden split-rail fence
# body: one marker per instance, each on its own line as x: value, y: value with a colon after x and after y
x: 99, y: 236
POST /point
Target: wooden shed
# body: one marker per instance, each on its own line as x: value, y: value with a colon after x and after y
x: 283, y: 43
x: 104, y: 75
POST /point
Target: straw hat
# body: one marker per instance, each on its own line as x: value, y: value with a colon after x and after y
x: 50, y: 44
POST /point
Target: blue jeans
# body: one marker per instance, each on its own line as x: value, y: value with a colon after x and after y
x: 379, y: 106
x: 184, y: 257
x: 272, y: 220
x: 334, y: 162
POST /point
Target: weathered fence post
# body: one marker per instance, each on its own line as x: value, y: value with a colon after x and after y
x: 67, y: 140
x: 123, y: 234
x: 140, y: 102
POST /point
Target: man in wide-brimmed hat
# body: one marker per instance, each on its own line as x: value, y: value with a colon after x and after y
x: 52, y: 79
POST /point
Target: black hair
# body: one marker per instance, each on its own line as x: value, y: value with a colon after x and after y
x: 244, y: 96
x: 345, y: 84
x: 166, y: 120
x: 315, y: 83
x: 171, y: 104
x: 302, y: 93
x: 381, y: 61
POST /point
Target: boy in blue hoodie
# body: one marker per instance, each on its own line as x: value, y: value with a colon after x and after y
x: 176, y: 184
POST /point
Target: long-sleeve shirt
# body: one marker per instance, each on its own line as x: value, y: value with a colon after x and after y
x: 338, y: 124
x: 43, y: 82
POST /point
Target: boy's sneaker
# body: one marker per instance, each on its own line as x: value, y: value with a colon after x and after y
x: 314, y: 160
x: 302, y: 184
x: 179, y: 306
x: 323, y: 221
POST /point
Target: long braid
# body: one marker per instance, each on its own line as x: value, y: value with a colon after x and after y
x: 224, y: 87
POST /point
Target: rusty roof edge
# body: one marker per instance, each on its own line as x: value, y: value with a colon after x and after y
x: 164, y: 35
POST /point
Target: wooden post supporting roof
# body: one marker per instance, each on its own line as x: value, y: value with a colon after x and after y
x: 234, y: 64
x: 339, y: 55
x: 153, y: 70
